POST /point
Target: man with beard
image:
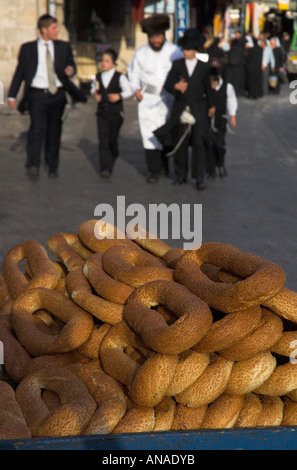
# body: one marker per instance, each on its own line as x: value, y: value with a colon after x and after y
x: 147, y: 72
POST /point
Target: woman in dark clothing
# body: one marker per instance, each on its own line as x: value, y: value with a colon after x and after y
x: 235, y: 69
x: 254, y: 69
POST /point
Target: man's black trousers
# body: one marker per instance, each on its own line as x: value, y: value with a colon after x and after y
x: 46, y: 113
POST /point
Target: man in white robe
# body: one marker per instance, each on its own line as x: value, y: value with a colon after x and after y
x: 147, y: 73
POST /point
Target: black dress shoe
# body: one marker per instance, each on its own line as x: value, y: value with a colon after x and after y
x: 222, y: 171
x: 105, y: 173
x: 152, y: 179
x: 179, y: 181
x: 33, y: 172
x: 200, y: 184
x: 53, y: 174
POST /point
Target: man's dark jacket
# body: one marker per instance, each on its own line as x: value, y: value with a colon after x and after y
x: 27, y: 66
x: 199, y: 97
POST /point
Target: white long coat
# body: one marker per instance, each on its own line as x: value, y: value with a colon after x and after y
x: 148, y: 70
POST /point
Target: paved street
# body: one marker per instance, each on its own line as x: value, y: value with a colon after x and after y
x: 253, y: 208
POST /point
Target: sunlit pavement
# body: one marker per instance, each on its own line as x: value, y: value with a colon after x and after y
x: 253, y: 208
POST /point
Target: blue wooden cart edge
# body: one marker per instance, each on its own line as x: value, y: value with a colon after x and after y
x: 274, y: 438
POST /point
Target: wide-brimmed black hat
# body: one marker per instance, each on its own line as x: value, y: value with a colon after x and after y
x: 191, y: 40
x: 155, y: 24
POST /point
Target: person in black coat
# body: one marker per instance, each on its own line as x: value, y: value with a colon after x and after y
x: 45, y: 65
x: 254, y: 78
x: 235, y: 68
x: 189, y: 82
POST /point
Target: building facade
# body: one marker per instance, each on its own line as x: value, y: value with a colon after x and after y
x: 93, y: 25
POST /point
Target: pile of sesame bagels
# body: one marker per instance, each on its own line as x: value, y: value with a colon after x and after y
x: 107, y: 333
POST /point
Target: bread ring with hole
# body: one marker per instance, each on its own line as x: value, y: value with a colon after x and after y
x: 81, y: 293
x: 266, y: 334
x: 223, y: 412
x: 272, y: 411
x: 133, y: 266
x: 103, y: 284
x: 261, y: 279
x: 148, y: 241
x: 282, y: 381
x: 250, y: 412
x: 98, y: 235
x: 186, y: 418
x: 147, y: 383
x: 228, y: 330
x: 70, y: 419
x: 289, y: 412
x: 78, y: 324
x: 139, y: 418
x: 248, y: 375
x: 16, y: 357
x: 190, y: 366
x: 164, y: 414
x: 286, y: 345
x: 42, y: 268
x: 12, y: 421
x: 209, y: 385
x: 195, y: 317
x: 172, y: 256
x: 4, y: 293
x: 284, y: 303
x: 91, y: 347
x: 68, y: 249
x: 108, y: 395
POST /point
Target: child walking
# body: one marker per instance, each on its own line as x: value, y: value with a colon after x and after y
x: 109, y: 89
x: 226, y: 107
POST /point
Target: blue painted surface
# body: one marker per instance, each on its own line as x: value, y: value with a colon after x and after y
x: 278, y: 438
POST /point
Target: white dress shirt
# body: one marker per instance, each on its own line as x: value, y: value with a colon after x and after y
x: 232, y: 102
x: 191, y: 64
x: 106, y: 76
x: 40, y: 79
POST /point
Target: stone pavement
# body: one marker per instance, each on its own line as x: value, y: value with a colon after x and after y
x: 253, y: 208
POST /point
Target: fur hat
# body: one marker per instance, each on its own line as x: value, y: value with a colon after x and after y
x: 155, y: 24
x: 192, y: 39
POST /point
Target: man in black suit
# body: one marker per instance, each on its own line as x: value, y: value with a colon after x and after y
x: 189, y: 82
x: 45, y: 65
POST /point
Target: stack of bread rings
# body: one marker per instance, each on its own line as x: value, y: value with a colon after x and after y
x: 118, y: 334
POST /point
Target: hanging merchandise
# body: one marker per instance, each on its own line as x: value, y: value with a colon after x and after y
x: 256, y: 23
x: 283, y: 4
x: 247, y: 22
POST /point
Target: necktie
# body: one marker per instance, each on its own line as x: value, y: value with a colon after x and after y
x: 52, y: 88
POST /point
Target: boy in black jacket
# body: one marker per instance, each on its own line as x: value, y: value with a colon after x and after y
x: 226, y: 107
x: 109, y: 90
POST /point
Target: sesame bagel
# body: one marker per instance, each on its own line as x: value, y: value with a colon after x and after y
x: 12, y: 421
x: 260, y: 279
x: 77, y: 405
x: 103, y: 284
x: 194, y: 316
x: 77, y: 324
x: 42, y: 268
x: 134, y: 267
x: 229, y: 329
x: 147, y: 382
x: 80, y: 291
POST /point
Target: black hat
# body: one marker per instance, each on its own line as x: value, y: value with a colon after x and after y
x: 192, y: 39
x: 155, y: 24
